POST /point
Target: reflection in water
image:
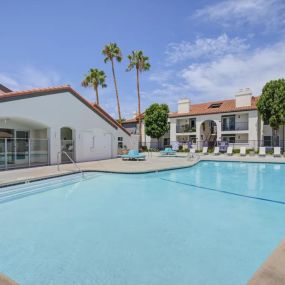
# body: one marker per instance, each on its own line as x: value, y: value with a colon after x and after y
x: 252, y: 179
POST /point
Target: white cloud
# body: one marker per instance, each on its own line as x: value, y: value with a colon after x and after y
x: 222, y: 77
x: 205, y: 47
x: 269, y: 13
x: 29, y: 77
x: 161, y: 76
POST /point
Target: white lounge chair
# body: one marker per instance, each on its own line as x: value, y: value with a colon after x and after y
x: 277, y: 151
x: 230, y: 150
x: 205, y: 150
x: 242, y: 151
x: 216, y: 150
x: 262, y: 151
x: 192, y: 150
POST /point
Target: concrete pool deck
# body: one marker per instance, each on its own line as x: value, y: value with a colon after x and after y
x: 154, y: 162
x: 4, y: 280
x: 273, y: 269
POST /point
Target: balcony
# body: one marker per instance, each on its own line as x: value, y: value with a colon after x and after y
x: 239, y: 126
x: 185, y: 129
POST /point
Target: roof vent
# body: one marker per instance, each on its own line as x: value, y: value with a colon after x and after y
x: 215, y: 105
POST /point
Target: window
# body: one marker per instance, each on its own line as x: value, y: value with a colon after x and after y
x: 6, y: 133
x: 228, y: 123
x: 215, y: 105
x: 192, y: 123
x: 192, y: 139
x: 267, y: 140
x: 166, y: 141
x: 120, y: 142
x: 229, y: 138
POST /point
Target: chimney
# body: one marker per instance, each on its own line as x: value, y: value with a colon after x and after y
x: 243, y: 97
x: 184, y: 105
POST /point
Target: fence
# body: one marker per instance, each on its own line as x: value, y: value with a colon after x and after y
x: 198, y: 145
x: 17, y: 153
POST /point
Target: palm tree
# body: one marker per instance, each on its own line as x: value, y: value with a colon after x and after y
x: 140, y: 63
x: 111, y: 52
x: 95, y: 78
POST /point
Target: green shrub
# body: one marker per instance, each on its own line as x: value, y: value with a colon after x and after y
x: 143, y: 148
x: 210, y: 149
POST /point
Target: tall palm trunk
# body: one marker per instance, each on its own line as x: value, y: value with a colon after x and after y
x: 97, y: 95
x: 117, y: 93
x: 139, y: 108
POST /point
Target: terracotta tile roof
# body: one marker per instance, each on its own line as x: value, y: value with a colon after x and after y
x: 15, y: 95
x: 227, y: 106
x: 4, y: 89
x: 133, y: 120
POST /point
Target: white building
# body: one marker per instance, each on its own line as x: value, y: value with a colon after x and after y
x: 235, y: 121
x: 40, y: 126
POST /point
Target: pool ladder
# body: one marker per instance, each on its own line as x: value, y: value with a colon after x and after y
x: 71, y: 160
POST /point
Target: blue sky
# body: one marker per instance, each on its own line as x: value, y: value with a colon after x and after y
x: 203, y: 50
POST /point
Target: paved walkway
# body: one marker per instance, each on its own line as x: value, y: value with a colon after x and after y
x: 153, y: 162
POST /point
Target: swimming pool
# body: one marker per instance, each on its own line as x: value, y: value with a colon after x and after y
x: 213, y: 223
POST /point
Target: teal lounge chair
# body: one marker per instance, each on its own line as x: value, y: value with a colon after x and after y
x: 133, y: 155
x: 168, y: 151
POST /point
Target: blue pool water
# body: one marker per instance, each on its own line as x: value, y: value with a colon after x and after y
x: 176, y: 227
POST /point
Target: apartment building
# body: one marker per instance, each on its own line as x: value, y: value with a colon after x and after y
x: 235, y: 121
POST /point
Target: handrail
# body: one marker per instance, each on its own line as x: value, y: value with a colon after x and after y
x: 73, y: 162
x: 193, y: 155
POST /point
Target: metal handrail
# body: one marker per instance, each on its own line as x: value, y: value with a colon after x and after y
x: 193, y: 155
x: 73, y: 162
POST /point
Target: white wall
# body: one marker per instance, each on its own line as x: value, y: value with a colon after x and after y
x: 64, y: 110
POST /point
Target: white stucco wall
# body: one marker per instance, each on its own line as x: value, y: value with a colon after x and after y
x: 94, y: 137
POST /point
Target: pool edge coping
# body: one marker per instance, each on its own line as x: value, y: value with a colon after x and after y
x: 204, y: 158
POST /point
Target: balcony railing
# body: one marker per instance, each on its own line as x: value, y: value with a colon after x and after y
x: 238, y: 126
x: 185, y: 129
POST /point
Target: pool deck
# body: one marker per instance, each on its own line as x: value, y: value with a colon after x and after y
x: 4, y: 280
x: 273, y: 269
x: 153, y: 162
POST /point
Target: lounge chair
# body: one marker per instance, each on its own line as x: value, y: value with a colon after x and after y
x: 242, y: 151
x: 192, y: 150
x: 277, y: 151
x: 262, y: 151
x: 205, y: 150
x: 133, y: 155
x: 168, y: 151
x: 230, y: 150
x: 216, y: 150
x: 223, y: 147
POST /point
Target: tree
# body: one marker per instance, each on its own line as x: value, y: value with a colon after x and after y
x: 112, y: 52
x: 156, y: 120
x: 271, y: 105
x: 140, y: 63
x: 95, y: 78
